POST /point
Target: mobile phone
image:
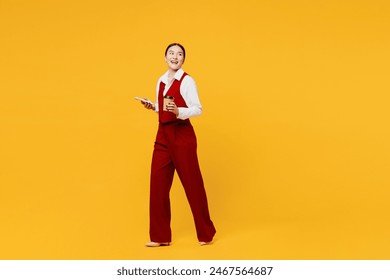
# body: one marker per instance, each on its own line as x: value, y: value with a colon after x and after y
x: 143, y: 100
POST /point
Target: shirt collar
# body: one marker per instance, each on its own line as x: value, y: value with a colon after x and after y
x: 179, y: 73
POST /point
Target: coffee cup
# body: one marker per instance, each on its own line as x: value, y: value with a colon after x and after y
x: 167, y: 99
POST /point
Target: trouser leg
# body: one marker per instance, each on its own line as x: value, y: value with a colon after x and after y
x: 187, y: 167
x: 160, y: 184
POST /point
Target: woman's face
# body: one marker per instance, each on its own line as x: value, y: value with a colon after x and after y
x: 174, y: 58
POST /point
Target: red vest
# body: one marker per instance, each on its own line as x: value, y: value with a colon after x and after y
x: 174, y: 90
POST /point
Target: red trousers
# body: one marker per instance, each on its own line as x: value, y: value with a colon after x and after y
x: 175, y: 149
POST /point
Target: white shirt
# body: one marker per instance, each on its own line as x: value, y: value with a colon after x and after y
x: 188, y: 91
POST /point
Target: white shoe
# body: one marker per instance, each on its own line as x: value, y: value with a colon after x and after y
x: 202, y: 243
x: 156, y: 244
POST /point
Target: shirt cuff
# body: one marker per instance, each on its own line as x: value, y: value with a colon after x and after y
x: 180, y: 115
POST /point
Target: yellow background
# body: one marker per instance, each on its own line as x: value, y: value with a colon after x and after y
x: 293, y: 142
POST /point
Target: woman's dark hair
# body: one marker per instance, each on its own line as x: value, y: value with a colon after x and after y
x: 176, y: 44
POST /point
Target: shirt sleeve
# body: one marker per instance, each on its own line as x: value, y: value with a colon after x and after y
x: 157, y: 89
x: 189, y: 92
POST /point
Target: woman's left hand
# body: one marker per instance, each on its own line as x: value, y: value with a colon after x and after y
x: 171, y: 107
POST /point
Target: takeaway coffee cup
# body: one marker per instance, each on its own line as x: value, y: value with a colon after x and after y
x: 167, y: 99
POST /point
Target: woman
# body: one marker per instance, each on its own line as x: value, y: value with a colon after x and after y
x: 175, y: 149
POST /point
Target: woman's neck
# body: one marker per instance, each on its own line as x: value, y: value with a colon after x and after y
x: 171, y: 73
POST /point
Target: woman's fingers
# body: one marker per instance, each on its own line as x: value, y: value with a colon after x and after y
x: 147, y: 104
x: 171, y: 107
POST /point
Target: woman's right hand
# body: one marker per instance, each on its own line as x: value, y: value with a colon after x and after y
x: 148, y: 105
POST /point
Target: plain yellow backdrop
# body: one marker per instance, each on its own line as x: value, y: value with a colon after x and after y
x: 293, y: 142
